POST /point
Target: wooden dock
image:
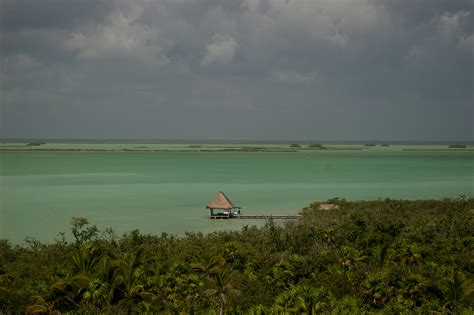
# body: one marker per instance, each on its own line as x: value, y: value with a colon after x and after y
x: 258, y: 216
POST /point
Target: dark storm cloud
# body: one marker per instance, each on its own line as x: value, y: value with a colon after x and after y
x: 19, y: 15
x: 252, y: 69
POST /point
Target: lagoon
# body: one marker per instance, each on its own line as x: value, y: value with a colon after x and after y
x: 167, y: 191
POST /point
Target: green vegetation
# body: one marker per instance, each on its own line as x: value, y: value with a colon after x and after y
x: 457, y: 146
x: 377, y: 257
x: 295, y: 145
x: 315, y: 146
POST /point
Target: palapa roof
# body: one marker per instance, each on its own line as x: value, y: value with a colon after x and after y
x: 220, y: 201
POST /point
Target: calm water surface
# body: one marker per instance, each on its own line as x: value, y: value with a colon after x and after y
x: 167, y: 191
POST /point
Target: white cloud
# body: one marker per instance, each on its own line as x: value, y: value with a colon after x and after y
x: 449, y: 22
x: 19, y: 60
x: 251, y: 5
x: 292, y: 77
x: 122, y: 35
x: 414, y: 54
x: 221, y: 50
x: 339, y: 39
x: 335, y: 21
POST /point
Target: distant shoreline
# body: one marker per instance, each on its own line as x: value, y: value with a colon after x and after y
x: 234, y: 142
x: 169, y: 150
x: 295, y: 147
x: 6, y: 149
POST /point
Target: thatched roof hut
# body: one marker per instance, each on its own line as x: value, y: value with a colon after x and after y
x: 225, y: 208
x: 220, y: 201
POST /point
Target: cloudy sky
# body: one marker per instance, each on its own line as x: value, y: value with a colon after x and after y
x: 237, y: 69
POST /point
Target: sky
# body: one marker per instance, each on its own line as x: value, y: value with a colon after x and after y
x: 328, y: 70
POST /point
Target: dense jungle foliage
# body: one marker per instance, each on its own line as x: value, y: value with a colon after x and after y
x: 384, y: 256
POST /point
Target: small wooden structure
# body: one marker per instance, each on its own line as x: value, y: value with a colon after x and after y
x: 225, y: 208
x: 328, y: 206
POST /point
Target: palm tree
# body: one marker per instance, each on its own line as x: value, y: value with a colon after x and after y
x: 283, y: 274
x: 91, y: 289
x: 207, y: 268
x: 64, y: 293
x: 328, y: 236
x: 415, y: 286
x: 128, y: 276
x: 41, y: 306
x: 410, y: 254
x: 102, y: 292
x: 259, y: 310
x: 288, y: 302
x: 376, y: 289
x: 347, y: 305
x: 301, y: 299
x: 312, y: 300
x: 350, y: 257
x: 70, y: 290
x: 232, y: 251
x: 85, y: 259
x: 380, y: 254
x: 98, y: 293
x: 222, y: 286
x: 458, y: 292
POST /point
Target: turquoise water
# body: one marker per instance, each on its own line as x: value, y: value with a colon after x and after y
x: 167, y: 191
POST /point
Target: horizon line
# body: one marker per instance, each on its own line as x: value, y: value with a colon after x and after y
x: 214, y: 140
